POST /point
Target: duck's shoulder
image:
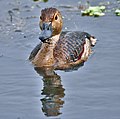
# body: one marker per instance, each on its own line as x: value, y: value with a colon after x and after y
x: 73, y: 37
x: 71, y: 45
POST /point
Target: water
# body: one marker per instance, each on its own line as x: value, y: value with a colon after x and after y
x: 91, y: 92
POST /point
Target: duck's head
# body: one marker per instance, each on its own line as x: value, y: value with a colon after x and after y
x: 50, y: 23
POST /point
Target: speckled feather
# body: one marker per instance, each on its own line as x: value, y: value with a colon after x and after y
x: 71, y: 45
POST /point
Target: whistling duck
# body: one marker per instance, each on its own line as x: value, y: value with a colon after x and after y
x: 59, y: 49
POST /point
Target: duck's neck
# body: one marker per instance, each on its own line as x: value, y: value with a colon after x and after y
x: 45, y: 54
x: 54, y: 40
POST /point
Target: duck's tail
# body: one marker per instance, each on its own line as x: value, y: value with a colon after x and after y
x: 90, y: 37
x: 93, y: 40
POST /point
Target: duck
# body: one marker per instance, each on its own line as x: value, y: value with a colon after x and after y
x: 60, y: 49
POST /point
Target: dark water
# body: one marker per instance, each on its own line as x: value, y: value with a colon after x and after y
x: 91, y: 92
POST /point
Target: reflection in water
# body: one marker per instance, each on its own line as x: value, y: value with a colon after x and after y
x: 53, y: 92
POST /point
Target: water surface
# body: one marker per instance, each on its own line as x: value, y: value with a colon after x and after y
x: 91, y: 92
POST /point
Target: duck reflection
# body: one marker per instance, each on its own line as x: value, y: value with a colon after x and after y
x: 53, y: 92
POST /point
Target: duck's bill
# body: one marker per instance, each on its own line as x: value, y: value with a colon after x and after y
x: 46, y: 32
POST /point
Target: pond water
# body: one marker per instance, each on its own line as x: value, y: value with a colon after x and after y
x: 91, y: 92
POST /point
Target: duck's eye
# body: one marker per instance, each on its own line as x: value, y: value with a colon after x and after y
x: 56, y: 17
x: 40, y: 18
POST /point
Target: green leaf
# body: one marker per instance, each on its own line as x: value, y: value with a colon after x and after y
x: 94, y: 11
x: 117, y: 12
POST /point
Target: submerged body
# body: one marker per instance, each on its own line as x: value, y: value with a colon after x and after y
x: 60, y: 50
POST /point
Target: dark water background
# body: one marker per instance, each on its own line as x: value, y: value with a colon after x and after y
x: 91, y: 92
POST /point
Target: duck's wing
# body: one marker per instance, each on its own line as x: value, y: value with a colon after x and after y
x: 35, y: 51
x: 71, y: 45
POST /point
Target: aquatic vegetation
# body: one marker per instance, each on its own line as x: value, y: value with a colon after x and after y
x: 95, y: 11
x: 117, y: 12
x: 103, y: 8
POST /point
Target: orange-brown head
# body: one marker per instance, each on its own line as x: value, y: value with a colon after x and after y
x: 50, y: 23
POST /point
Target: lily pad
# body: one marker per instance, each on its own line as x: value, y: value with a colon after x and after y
x: 95, y: 11
x: 117, y: 12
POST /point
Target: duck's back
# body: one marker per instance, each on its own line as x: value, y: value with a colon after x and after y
x: 71, y: 46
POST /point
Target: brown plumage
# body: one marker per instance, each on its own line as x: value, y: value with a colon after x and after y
x: 58, y: 49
